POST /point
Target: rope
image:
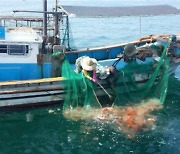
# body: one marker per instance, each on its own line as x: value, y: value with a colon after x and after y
x: 110, y: 97
x: 116, y: 62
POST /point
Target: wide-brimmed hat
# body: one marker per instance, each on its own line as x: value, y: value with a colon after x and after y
x: 89, y: 64
x: 130, y: 50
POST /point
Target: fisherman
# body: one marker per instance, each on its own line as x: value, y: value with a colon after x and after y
x: 89, y: 68
x: 129, y: 52
x: 94, y: 71
x: 58, y: 57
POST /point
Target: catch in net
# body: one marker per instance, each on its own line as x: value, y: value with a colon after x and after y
x: 136, y: 83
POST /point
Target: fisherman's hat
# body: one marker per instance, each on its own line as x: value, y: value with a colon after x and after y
x: 89, y: 64
x: 130, y: 50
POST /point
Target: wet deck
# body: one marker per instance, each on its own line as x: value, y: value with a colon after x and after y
x: 31, y: 93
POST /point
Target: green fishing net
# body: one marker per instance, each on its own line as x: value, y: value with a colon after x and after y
x: 155, y: 74
x: 80, y: 92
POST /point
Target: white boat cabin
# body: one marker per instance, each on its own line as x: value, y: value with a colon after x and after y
x: 19, y: 49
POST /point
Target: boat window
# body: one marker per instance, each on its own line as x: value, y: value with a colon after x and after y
x: 18, y: 49
x: 3, y: 48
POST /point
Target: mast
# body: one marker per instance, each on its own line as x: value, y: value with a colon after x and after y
x: 45, y: 17
x: 56, y: 25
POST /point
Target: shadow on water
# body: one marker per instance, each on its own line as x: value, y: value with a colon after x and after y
x: 45, y: 130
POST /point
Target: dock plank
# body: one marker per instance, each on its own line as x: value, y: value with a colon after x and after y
x: 30, y: 94
x: 31, y: 102
x: 19, y: 89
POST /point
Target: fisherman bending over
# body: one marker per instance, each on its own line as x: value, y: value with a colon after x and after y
x: 89, y: 68
x: 92, y: 70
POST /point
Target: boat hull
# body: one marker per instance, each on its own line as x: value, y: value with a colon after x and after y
x: 49, y: 91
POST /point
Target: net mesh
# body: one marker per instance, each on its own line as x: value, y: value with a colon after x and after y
x: 80, y: 91
x: 137, y: 82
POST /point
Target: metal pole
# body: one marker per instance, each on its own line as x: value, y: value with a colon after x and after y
x: 56, y: 5
x: 56, y: 25
x: 140, y: 25
x: 56, y: 29
x: 67, y: 20
x: 45, y: 18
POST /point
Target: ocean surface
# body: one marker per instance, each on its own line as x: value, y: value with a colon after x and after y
x: 92, y: 32
x: 45, y: 130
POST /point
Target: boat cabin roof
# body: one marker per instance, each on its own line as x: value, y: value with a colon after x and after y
x: 20, y: 35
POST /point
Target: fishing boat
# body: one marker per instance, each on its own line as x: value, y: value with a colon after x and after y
x: 33, y: 49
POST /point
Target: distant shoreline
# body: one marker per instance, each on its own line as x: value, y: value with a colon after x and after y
x: 89, y: 11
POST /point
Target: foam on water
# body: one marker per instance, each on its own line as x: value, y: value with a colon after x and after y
x: 128, y: 119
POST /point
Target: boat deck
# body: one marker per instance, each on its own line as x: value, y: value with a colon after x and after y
x: 31, y: 93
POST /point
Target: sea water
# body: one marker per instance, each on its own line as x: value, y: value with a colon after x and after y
x: 46, y: 130
x: 92, y: 32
